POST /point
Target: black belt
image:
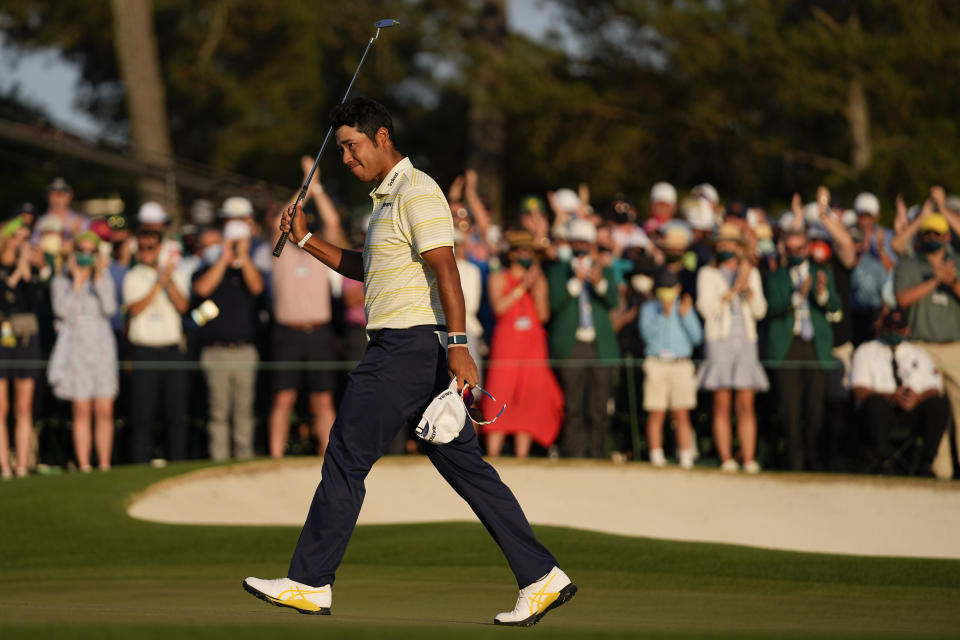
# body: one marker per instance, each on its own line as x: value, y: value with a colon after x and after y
x: 239, y: 343
x: 374, y: 333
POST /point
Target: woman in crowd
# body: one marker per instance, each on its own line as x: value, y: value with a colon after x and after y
x: 518, y: 373
x: 19, y: 342
x: 730, y: 299
x: 83, y: 364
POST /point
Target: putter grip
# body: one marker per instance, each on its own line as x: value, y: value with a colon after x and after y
x: 281, y: 243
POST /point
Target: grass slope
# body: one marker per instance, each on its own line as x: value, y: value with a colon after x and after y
x: 72, y: 564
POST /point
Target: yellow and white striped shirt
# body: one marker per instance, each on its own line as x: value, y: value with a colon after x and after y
x: 410, y: 216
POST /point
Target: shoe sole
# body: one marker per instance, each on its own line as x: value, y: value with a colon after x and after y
x: 565, y: 595
x: 322, y: 611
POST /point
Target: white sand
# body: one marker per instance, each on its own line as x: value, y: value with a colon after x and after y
x: 801, y: 512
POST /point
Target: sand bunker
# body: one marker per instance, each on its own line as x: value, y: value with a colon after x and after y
x: 820, y: 513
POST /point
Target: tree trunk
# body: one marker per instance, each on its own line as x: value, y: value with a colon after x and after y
x: 139, y: 64
x: 485, y: 120
x: 858, y: 116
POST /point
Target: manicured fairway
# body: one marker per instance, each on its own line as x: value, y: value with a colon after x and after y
x: 72, y: 564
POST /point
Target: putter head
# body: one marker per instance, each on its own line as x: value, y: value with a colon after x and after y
x: 383, y: 24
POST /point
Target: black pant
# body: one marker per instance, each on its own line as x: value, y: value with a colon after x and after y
x: 586, y: 391
x: 929, y: 419
x: 803, y: 386
x: 165, y: 384
x: 401, y: 371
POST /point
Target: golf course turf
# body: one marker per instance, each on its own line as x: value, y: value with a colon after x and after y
x: 73, y: 564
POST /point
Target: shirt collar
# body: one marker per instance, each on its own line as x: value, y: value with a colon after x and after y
x: 389, y: 182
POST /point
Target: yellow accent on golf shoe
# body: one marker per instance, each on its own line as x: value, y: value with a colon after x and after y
x: 542, y: 599
x: 297, y: 598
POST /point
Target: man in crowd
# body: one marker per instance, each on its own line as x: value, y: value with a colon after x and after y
x: 302, y: 332
x: 896, y: 382
x: 663, y: 206
x: 800, y: 341
x: 582, y: 293
x: 928, y: 288
x: 59, y: 197
x: 228, y: 355
x: 156, y: 297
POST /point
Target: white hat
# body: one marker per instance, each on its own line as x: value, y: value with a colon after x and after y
x: 785, y: 221
x: 581, y: 230
x: 236, y: 207
x: 811, y: 212
x: 849, y: 218
x: 699, y: 214
x: 566, y: 199
x: 708, y: 191
x: 152, y: 213
x: 201, y: 212
x: 444, y: 417
x: 663, y: 192
x: 867, y: 203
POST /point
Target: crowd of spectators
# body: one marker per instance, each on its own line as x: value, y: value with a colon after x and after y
x: 812, y: 338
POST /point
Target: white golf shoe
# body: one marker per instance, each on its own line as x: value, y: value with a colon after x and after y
x: 284, y: 592
x: 549, y: 592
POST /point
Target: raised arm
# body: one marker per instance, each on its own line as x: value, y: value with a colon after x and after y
x: 347, y: 262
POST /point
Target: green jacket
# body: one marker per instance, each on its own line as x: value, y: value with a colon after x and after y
x: 565, y: 313
x: 778, y: 288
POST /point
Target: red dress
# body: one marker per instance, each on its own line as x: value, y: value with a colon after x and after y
x: 523, y: 381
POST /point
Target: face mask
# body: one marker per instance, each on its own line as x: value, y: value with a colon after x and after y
x: 723, y: 256
x: 84, y: 258
x: 212, y: 253
x: 564, y: 253
x: 620, y: 218
x: 673, y: 257
x: 892, y: 339
x: 641, y: 284
x: 525, y: 262
x: 930, y: 245
x: 795, y: 261
x: 51, y: 243
x: 666, y: 294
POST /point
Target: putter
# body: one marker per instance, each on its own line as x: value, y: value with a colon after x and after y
x: 379, y: 24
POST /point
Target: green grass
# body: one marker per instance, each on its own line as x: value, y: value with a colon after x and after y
x: 72, y: 564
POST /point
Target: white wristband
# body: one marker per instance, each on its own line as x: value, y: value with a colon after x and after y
x: 304, y: 239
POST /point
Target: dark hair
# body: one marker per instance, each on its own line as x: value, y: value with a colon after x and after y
x: 364, y: 114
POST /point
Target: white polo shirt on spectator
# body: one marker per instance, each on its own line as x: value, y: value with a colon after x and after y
x: 160, y: 324
x: 872, y: 368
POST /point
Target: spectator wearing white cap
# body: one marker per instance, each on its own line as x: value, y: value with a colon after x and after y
x: 59, y: 197
x: 867, y: 207
x: 582, y: 293
x: 663, y: 206
x: 228, y: 355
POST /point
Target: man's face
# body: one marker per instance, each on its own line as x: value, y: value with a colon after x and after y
x: 148, y: 248
x: 662, y: 210
x: 59, y: 199
x: 364, y: 159
x: 865, y: 221
x: 796, y: 245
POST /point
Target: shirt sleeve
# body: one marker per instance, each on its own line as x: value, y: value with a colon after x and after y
x: 135, y: 287
x: 905, y: 275
x: 860, y: 368
x: 425, y: 220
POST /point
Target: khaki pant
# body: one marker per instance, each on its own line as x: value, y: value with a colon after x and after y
x: 946, y: 357
x: 231, y: 373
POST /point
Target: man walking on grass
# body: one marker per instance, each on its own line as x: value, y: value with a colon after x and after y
x: 417, y: 342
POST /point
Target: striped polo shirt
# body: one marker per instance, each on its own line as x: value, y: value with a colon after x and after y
x: 410, y: 216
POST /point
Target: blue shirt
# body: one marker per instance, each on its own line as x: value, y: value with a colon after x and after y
x: 670, y: 336
x: 117, y: 271
x: 866, y: 284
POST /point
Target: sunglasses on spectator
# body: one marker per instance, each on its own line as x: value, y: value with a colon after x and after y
x: 472, y: 402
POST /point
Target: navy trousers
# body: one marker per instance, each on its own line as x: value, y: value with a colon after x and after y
x: 401, y: 372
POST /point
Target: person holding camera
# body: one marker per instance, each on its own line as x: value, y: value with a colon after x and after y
x: 19, y: 342
x: 83, y: 363
x: 518, y: 374
x: 156, y: 295
x: 582, y: 293
x: 228, y: 355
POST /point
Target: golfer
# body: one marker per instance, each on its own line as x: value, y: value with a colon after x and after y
x: 417, y: 342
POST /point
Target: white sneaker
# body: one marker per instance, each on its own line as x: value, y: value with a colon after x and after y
x: 752, y: 467
x: 730, y: 466
x: 549, y: 592
x: 686, y: 458
x: 284, y: 592
x: 657, y: 458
